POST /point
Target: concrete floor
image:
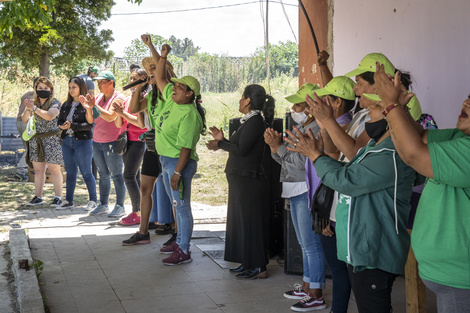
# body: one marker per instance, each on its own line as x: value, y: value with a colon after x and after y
x: 86, y: 269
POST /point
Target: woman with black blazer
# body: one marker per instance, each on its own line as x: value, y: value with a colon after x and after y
x: 247, y: 209
x: 76, y: 123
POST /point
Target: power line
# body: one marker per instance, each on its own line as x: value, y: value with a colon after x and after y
x: 199, y: 9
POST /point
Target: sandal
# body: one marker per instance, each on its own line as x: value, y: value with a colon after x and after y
x: 164, y: 229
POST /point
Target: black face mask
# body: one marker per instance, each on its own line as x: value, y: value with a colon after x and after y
x: 376, y: 130
x: 43, y: 94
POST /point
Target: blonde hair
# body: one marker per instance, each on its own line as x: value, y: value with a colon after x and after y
x: 48, y: 102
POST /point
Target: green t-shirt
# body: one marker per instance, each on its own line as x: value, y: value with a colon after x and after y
x: 177, y: 126
x: 342, y: 220
x: 441, y: 230
x: 153, y: 111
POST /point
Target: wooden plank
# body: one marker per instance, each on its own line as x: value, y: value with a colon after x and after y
x: 415, y: 289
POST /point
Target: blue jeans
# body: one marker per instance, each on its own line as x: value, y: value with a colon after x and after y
x: 184, y: 216
x: 312, y: 253
x: 339, y: 273
x: 77, y: 155
x: 162, y: 211
x: 109, y: 165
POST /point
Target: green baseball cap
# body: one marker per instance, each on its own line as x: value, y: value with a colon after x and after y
x: 368, y: 65
x: 95, y: 69
x: 299, y: 96
x: 105, y: 75
x: 339, y: 86
x: 191, y: 82
x: 413, y: 104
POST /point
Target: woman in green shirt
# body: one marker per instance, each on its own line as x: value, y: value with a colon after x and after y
x: 177, y: 130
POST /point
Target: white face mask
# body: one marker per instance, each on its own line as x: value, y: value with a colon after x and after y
x: 299, y: 117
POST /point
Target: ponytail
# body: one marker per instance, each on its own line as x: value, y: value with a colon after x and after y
x: 202, y: 112
x: 259, y: 100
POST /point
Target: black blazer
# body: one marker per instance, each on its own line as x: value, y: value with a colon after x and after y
x: 246, y: 148
x: 80, y: 126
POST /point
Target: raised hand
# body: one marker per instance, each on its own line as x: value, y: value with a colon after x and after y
x: 323, y: 57
x: 165, y: 50
x: 146, y: 39
x: 319, y: 108
x: 305, y: 144
x: 272, y: 138
x: 216, y: 133
x: 29, y: 104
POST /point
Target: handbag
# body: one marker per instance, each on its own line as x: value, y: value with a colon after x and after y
x: 30, y: 130
x: 321, y: 206
x: 121, y: 143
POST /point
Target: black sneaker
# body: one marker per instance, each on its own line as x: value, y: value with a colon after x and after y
x: 35, y: 201
x: 171, y: 240
x: 137, y: 239
x: 56, y: 202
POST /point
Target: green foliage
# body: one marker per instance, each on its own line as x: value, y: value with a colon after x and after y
x: 182, y: 48
x: 283, y: 59
x: 38, y: 265
x: 138, y: 50
x: 69, y: 36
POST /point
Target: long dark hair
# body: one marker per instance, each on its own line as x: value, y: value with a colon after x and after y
x: 202, y: 112
x: 259, y: 100
x: 405, y: 78
x: 81, y: 84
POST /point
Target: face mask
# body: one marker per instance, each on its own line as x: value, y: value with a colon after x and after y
x: 299, y: 118
x: 375, y: 130
x: 43, y: 94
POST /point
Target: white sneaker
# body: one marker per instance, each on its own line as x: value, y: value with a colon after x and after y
x: 90, y: 206
x: 65, y: 205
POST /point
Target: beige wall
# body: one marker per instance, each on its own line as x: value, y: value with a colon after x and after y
x: 429, y: 38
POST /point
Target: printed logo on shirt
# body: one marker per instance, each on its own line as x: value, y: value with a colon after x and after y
x: 163, y: 117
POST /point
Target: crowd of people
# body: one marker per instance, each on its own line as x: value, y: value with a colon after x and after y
x: 348, y: 169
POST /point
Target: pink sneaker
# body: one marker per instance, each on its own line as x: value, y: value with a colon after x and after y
x: 178, y: 257
x: 170, y: 248
x: 131, y: 219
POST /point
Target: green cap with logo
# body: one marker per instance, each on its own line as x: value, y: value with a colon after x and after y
x: 105, y: 75
x: 413, y: 104
x: 339, y: 86
x: 95, y: 69
x: 191, y: 82
x: 299, y: 96
x: 368, y: 65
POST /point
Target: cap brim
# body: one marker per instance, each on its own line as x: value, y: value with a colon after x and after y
x: 322, y: 92
x: 372, y: 97
x: 295, y: 99
x: 353, y: 73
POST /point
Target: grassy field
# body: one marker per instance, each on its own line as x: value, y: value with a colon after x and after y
x: 209, y: 185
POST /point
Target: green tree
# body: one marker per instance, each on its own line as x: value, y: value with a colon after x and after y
x: 39, y: 33
x: 138, y: 50
x: 182, y: 48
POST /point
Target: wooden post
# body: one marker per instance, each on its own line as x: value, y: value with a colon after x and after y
x: 415, y: 289
x: 317, y: 10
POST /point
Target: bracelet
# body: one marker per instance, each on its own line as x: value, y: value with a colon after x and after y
x: 164, y: 58
x: 389, y: 108
x: 178, y: 173
x: 35, y: 108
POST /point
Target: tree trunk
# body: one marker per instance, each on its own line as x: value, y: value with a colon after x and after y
x: 44, y: 64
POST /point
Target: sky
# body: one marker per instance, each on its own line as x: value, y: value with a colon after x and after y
x: 234, y: 30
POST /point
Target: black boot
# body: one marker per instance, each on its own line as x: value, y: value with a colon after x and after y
x: 254, y: 273
x: 238, y: 269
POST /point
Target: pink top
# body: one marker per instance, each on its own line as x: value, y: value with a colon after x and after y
x: 133, y: 132
x: 106, y: 131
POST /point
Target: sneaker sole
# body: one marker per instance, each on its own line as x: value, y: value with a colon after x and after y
x: 182, y: 262
x: 142, y: 242
x: 166, y: 252
x: 320, y: 307
x: 34, y: 204
x: 100, y: 213
x: 293, y: 297
x: 128, y: 224
x: 62, y: 208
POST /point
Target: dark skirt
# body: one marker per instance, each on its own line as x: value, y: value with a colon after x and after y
x: 246, y: 216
